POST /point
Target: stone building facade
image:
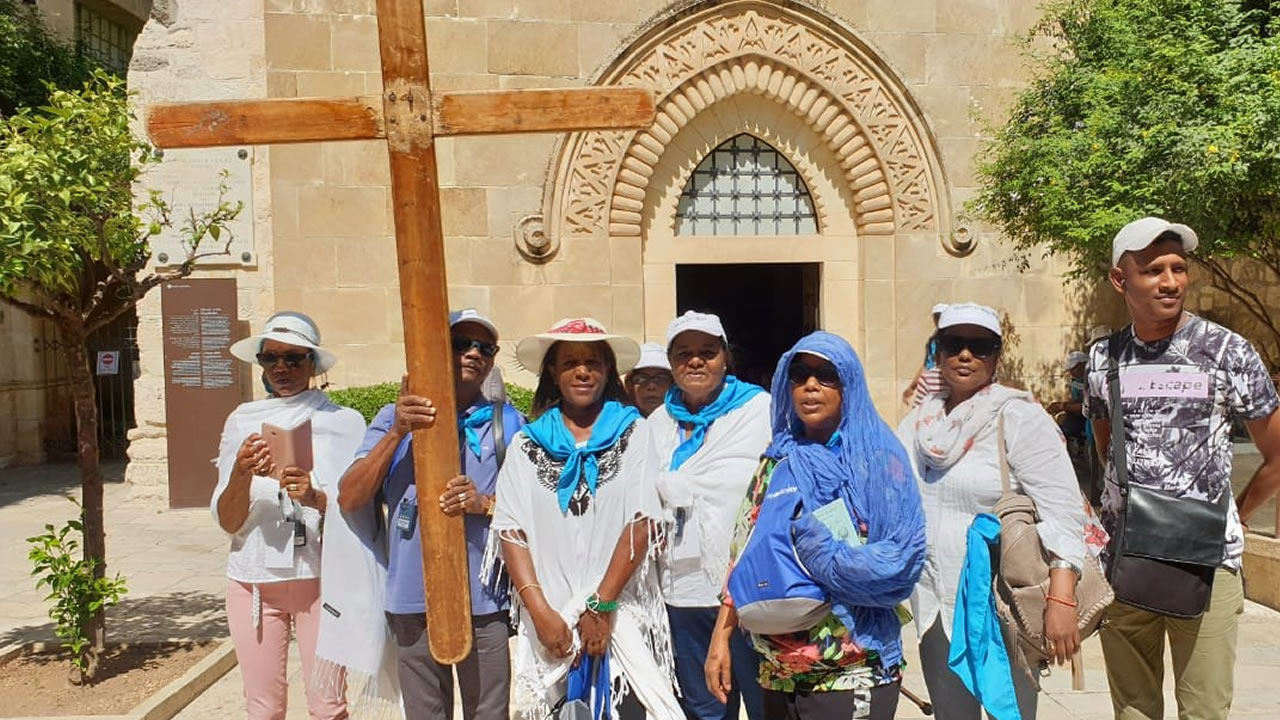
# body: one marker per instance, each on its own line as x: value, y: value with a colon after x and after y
x: 865, y: 116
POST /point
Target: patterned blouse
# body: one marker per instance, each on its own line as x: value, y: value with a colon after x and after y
x: 823, y: 658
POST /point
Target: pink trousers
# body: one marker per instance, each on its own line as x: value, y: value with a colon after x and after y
x: 263, y: 651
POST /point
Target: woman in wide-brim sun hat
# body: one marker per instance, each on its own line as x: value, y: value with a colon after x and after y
x: 274, y: 514
x: 576, y: 502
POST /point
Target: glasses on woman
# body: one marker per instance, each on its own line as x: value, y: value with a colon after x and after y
x: 799, y: 373
x: 980, y: 347
x: 291, y: 359
x: 656, y: 379
x: 462, y: 346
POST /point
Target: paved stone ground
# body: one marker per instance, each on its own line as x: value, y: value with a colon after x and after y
x: 174, y: 560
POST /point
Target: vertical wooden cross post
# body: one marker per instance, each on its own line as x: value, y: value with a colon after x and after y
x: 409, y: 115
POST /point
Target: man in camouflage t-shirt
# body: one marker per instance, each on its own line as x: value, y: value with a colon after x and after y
x: 1183, y: 379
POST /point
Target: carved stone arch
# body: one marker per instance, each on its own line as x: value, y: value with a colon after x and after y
x: 699, y: 54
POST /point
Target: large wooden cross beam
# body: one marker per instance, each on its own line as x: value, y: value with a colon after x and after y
x: 409, y: 116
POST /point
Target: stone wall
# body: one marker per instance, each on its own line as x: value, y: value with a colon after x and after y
x: 35, y: 400
x: 206, y: 50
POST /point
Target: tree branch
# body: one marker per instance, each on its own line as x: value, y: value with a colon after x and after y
x: 32, y: 309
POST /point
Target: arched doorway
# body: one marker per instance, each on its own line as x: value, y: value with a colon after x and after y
x: 802, y: 82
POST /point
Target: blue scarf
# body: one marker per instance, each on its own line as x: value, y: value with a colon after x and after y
x: 550, y: 434
x: 870, y: 470
x: 734, y: 393
x: 470, y: 423
x: 978, y: 654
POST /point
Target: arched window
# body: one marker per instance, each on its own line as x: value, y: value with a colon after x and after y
x: 745, y: 187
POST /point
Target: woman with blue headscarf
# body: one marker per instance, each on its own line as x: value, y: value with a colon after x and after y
x: 576, y: 502
x: 831, y: 453
x: 709, y: 434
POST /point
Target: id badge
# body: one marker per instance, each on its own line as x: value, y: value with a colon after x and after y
x: 299, y: 533
x: 406, y: 516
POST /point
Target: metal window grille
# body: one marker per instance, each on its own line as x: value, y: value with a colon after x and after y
x: 103, y: 39
x: 745, y: 187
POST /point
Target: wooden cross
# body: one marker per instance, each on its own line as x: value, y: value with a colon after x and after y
x: 409, y: 116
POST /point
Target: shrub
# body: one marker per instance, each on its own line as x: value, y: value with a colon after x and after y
x: 369, y: 399
x: 77, y: 594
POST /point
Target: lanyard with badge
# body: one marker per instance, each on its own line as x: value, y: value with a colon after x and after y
x: 407, y: 514
x: 292, y: 512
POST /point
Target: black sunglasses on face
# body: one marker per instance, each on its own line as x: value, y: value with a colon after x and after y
x: 463, y: 345
x: 979, y: 347
x: 293, y: 360
x: 825, y: 374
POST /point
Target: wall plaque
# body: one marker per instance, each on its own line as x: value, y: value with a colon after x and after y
x: 189, y: 180
x: 202, y: 382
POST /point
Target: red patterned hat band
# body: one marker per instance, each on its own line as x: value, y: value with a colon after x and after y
x: 578, y: 327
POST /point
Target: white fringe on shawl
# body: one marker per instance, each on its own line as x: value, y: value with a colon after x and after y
x: 641, y: 657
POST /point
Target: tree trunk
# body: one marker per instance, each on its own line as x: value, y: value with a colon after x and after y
x: 86, y: 407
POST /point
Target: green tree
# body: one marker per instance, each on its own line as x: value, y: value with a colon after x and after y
x: 74, y: 245
x: 32, y: 57
x: 1149, y: 107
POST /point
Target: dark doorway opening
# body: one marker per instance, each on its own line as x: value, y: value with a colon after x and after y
x: 765, y: 308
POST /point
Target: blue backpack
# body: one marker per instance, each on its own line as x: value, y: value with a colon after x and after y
x: 770, y: 587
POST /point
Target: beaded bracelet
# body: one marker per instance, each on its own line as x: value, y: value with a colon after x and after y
x: 596, y: 605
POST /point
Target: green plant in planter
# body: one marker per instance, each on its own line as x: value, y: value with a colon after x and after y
x: 369, y: 399
x: 77, y: 594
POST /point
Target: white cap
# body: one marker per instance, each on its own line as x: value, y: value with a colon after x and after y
x: 702, y: 322
x: 290, y: 328
x: 970, y: 314
x: 1139, y: 234
x: 937, y: 309
x: 472, y: 315
x: 1099, y: 332
x: 1074, y: 358
x: 653, y: 355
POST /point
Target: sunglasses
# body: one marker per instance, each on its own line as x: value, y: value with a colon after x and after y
x: 293, y: 360
x: 462, y: 346
x: 826, y: 374
x: 979, y: 347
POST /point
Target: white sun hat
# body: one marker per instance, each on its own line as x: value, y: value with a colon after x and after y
x: 471, y: 315
x: 693, y: 320
x: 531, y: 350
x: 291, y: 328
x: 653, y: 355
x: 970, y: 314
x: 1074, y: 358
x: 1139, y: 234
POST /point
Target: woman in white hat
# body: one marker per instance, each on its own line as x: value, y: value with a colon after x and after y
x: 649, y: 380
x: 576, y: 507
x: 710, y: 433
x: 953, y: 441
x: 274, y: 512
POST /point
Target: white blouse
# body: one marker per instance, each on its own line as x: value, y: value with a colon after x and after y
x: 1039, y: 467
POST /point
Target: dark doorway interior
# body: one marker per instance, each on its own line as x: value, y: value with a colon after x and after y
x: 765, y: 308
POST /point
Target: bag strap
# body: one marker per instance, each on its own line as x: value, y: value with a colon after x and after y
x: 1000, y: 448
x: 1119, y: 461
x: 500, y: 431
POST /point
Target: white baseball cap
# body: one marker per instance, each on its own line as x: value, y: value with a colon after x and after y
x: 1139, y: 234
x: 653, y: 355
x: 970, y: 314
x: 937, y: 309
x: 692, y: 320
x: 471, y: 315
x: 1074, y: 358
x: 290, y: 328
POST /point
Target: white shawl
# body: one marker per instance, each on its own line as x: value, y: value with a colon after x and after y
x: 570, y: 555
x: 710, y: 487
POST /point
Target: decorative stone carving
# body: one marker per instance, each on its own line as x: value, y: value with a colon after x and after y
x: 532, y: 239
x: 796, y: 56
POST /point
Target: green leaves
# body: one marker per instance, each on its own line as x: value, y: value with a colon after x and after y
x: 1168, y: 107
x: 74, y: 591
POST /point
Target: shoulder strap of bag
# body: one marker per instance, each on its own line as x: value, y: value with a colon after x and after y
x: 1119, y: 463
x: 500, y: 431
x: 1004, y: 457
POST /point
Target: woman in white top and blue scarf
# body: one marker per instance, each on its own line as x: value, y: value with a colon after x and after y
x: 709, y: 433
x: 574, y: 518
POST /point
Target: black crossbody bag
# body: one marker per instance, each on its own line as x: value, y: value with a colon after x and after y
x: 1166, y: 549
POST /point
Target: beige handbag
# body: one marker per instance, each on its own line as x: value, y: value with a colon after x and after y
x: 1022, y: 580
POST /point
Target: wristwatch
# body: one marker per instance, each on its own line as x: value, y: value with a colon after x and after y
x: 1059, y: 563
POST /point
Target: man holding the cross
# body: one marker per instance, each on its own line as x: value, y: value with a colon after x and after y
x: 385, y: 462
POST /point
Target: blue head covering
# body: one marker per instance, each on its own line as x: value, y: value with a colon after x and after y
x: 870, y: 470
